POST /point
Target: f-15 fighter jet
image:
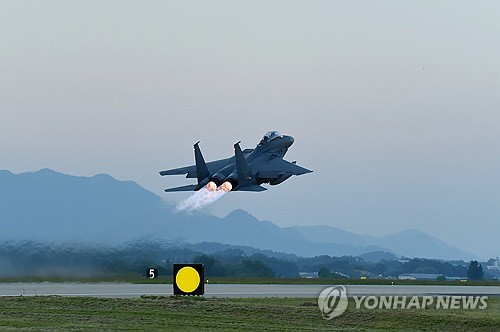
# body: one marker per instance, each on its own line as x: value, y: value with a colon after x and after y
x: 247, y: 170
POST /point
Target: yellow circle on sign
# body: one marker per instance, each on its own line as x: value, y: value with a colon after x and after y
x: 187, y: 279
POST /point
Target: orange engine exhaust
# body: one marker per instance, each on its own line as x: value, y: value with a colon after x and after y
x: 211, y: 186
x: 226, y: 186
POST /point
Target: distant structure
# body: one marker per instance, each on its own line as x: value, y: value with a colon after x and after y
x: 426, y: 276
x: 308, y: 275
x: 419, y: 276
x: 495, y: 266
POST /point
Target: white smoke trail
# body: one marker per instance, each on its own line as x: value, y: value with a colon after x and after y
x: 199, y: 199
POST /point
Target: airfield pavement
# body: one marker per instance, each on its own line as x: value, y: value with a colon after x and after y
x: 128, y: 290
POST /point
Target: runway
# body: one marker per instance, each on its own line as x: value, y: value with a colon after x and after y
x: 126, y: 290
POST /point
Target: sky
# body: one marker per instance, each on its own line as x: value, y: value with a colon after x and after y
x: 393, y: 104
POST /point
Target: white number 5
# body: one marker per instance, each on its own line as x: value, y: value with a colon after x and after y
x: 152, y: 273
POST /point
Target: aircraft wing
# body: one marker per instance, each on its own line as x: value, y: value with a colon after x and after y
x: 277, y: 167
x: 213, y: 167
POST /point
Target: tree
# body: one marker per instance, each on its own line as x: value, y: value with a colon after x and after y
x: 379, y: 268
x: 213, y: 268
x: 475, y: 271
x: 324, y: 273
x: 251, y: 268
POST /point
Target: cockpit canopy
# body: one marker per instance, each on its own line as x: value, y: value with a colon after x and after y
x: 269, y: 136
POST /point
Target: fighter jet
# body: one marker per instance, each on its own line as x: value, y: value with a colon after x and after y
x: 247, y: 170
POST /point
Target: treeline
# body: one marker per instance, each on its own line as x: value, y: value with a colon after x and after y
x: 234, y: 263
x: 28, y: 258
x: 73, y: 259
x: 355, y: 267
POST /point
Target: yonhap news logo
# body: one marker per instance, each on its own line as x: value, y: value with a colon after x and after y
x: 333, y: 302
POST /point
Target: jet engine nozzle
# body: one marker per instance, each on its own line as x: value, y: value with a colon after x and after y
x: 215, y: 182
x: 229, y: 183
x: 226, y: 186
x: 211, y: 186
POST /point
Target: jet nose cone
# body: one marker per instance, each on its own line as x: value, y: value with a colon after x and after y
x: 289, y: 140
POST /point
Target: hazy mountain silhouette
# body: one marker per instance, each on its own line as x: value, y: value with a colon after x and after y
x: 377, y: 256
x: 50, y: 206
x: 47, y: 205
x: 410, y: 243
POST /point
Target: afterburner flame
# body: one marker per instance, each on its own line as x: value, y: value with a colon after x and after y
x: 211, y: 186
x: 226, y: 186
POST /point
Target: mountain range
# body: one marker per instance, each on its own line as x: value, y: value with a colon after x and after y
x: 50, y: 206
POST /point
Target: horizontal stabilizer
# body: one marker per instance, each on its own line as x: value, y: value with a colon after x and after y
x: 189, y: 187
x: 179, y: 171
x: 252, y: 188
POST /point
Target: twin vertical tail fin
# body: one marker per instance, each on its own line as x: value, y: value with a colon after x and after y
x: 201, y: 172
x: 241, y: 163
x: 201, y: 167
x: 243, y: 172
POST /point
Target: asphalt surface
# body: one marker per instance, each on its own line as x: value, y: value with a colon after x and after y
x: 125, y: 290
